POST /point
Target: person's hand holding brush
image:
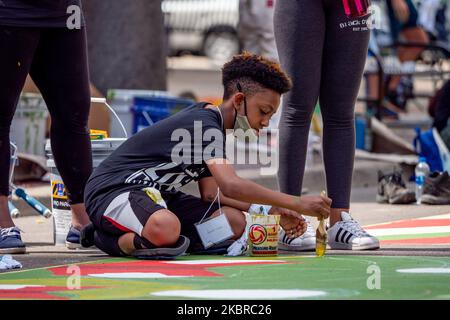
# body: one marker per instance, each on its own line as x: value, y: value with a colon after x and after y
x: 315, y: 206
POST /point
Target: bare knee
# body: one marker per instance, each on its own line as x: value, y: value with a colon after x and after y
x: 162, y: 228
x: 237, y: 221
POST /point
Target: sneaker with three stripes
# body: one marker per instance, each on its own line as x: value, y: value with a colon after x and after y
x: 306, y: 242
x: 349, y: 235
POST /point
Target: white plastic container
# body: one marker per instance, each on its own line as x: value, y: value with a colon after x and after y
x: 101, y: 149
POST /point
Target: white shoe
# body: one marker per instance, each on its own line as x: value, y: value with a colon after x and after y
x: 349, y: 235
x: 305, y: 242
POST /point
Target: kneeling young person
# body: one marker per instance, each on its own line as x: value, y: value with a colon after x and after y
x: 133, y: 197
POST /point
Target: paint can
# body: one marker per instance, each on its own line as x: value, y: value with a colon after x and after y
x: 263, y: 235
x: 62, y: 216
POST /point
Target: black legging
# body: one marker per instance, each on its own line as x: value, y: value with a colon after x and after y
x: 56, y: 59
x: 325, y: 55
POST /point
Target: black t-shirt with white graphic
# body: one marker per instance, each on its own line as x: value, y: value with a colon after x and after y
x: 166, y: 156
x: 37, y: 13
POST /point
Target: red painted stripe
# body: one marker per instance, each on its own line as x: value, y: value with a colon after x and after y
x: 117, y: 225
x: 412, y: 224
x: 200, y: 270
x: 437, y: 240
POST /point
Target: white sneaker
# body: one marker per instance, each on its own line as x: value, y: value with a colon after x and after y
x: 305, y: 242
x: 349, y: 235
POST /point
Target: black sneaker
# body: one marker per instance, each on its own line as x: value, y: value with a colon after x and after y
x: 392, y: 189
x: 437, y: 188
x: 87, y: 236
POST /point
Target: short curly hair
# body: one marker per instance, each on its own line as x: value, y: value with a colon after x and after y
x: 253, y: 73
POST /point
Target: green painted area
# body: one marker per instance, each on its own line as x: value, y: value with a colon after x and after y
x: 339, y: 277
x: 415, y: 236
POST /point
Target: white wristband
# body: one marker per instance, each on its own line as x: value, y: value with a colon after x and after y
x: 259, y: 209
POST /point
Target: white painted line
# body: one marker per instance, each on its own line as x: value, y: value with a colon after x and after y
x: 437, y: 217
x: 442, y: 216
x: 17, y: 287
x: 241, y: 294
x: 426, y: 270
x: 406, y: 231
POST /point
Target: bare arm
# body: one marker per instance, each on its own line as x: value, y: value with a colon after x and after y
x: 242, y: 190
x: 208, y: 191
x: 292, y: 222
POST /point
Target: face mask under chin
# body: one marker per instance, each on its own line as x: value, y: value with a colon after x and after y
x: 242, y: 129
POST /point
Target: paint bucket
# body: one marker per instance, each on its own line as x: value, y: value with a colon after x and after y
x: 62, y: 216
x: 263, y: 235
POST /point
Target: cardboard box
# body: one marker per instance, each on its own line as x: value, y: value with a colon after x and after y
x: 99, y: 117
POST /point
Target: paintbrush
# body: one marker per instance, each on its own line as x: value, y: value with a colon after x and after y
x: 321, y: 235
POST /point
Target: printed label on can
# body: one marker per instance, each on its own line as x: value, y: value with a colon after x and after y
x: 59, y: 196
x: 62, y: 214
x: 263, y: 235
x: 63, y: 219
x: 59, y: 190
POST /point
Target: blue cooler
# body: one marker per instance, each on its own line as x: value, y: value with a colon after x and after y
x: 149, y: 110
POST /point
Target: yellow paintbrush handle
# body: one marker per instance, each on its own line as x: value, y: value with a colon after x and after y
x: 321, y: 235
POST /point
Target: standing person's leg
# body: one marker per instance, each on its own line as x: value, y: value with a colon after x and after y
x: 18, y: 46
x: 268, y: 45
x: 410, y: 35
x: 411, y: 32
x: 299, y: 33
x: 414, y: 35
x: 344, y: 57
x: 345, y: 54
x: 60, y: 70
x: 16, y: 55
x: 249, y: 40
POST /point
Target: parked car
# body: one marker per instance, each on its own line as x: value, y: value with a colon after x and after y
x: 205, y: 27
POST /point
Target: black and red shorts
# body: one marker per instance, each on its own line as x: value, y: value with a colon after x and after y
x: 130, y: 211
